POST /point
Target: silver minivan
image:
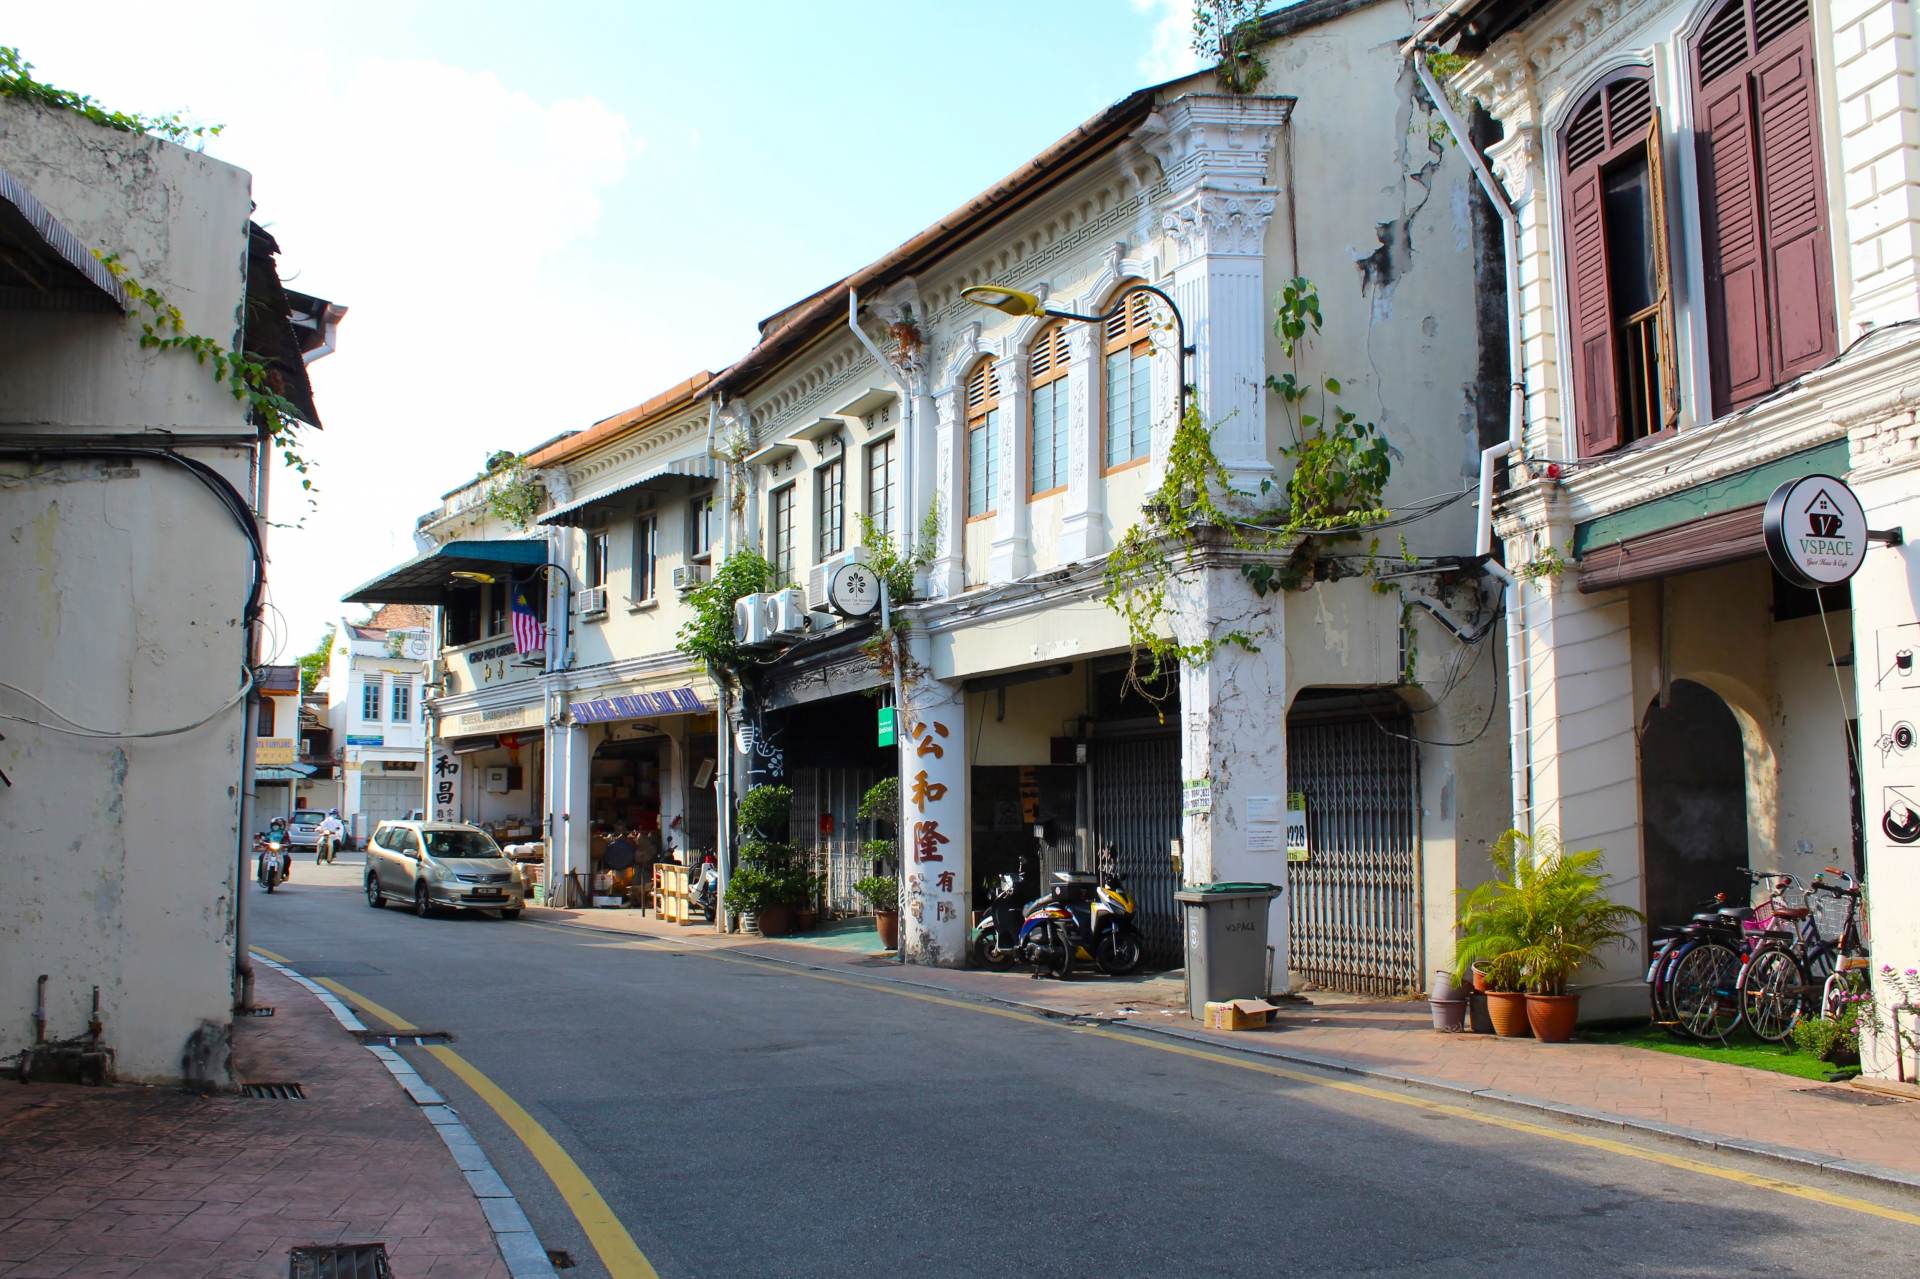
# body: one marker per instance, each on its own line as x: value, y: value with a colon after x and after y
x: 434, y: 864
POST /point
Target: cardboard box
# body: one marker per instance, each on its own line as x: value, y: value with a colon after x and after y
x: 1239, y: 1014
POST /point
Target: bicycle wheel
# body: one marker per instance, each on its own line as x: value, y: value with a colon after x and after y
x: 1706, y: 991
x: 1773, y: 992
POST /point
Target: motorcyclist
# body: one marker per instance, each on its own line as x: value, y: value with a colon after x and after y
x: 331, y: 830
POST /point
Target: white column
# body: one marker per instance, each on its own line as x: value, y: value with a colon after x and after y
x: 947, y: 575
x: 1012, y: 555
x: 1233, y: 739
x: 1083, y: 532
x: 1215, y: 152
x: 573, y: 842
x: 934, y: 861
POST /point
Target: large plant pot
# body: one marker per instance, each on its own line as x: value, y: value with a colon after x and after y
x: 887, y: 924
x: 1445, y: 988
x: 806, y: 919
x: 776, y: 921
x: 1508, y: 1009
x: 1478, y: 1020
x: 1449, y: 1015
x: 1553, y: 1017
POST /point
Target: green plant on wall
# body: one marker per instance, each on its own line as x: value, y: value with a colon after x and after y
x: 708, y: 633
x: 16, y: 81
x: 513, y: 492
x: 1227, y: 33
x: 897, y: 565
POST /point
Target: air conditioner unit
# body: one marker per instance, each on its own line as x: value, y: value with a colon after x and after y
x: 750, y: 621
x: 593, y: 601
x: 786, y: 613
x: 820, y: 576
x: 688, y: 576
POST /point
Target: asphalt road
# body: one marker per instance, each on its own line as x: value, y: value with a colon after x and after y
x: 744, y: 1119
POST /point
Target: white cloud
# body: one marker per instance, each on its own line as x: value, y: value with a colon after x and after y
x: 1171, y: 53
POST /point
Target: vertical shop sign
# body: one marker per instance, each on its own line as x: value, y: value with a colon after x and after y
x: 934, y: 932
x: 446, y: 790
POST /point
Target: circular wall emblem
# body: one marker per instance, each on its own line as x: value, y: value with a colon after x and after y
x: 1816, y: 531
x: 417, y: 647
x: 854, y: 591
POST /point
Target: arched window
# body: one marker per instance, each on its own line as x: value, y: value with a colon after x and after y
x: 1047, y: 442
x: 265, y: 726
x: 1618, y: 271
x: 1763, y: 199
x: 1128, y: 348
x: 983, y: 440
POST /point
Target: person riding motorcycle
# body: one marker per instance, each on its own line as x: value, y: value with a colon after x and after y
x: 331, y: 831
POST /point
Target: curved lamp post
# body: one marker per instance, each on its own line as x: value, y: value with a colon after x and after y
x: 1017, y: 302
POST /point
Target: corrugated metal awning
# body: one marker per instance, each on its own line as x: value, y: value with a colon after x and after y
x: 47, y: 268
x: 692, y: 469
x: 426, y: 579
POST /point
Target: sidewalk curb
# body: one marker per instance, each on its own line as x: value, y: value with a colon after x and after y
x: 1857, y: 1170
x: 513, y: 1234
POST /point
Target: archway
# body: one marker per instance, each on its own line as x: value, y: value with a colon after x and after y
x: 1693, y: 801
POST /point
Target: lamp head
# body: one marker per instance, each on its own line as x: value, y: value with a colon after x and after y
x: 469, y: 575
x: 1001, y: 298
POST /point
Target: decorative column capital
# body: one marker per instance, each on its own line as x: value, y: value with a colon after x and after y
x: 1516, y: 158
x: 1216, y: 139
x: 558, y: 483
x: 1211, y: 222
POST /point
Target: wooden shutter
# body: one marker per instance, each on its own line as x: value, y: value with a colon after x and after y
x: 1595, y: 409
x: 1794, y: 206
x: 1669, y: 408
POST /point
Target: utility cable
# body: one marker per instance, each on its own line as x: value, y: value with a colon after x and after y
x: 78, y: 729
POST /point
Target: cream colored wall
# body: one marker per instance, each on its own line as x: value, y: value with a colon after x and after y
x: 1035, y: 714
x: 628, y: 629
x: 1044, y: 530
x: 128, y: 585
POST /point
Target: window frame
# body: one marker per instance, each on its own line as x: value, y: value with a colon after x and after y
x: 1135, y: 337
x: 780, y: 531
x: 643, y: 569
x: 597, y: 568
x: 700, y: 508
x: 879, y: 503
x: 372, y: 694
x: 1049, y: 361
x: 264, y: 722
x: 400, y: 702
x: 982, y: 416
x: 830, y: 508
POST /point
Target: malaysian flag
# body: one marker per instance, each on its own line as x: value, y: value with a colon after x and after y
x: 528, y: 635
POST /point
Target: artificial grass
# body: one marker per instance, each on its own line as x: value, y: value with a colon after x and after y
x: 1741, y: 1050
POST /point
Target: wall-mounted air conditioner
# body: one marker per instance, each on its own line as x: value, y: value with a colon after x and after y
x: 750, y: 621
x: 688, y: 576
x: 592, y: 601
x: 787, y: 613
x: 820, y: 576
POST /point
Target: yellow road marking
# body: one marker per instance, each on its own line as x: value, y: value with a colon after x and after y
x: 262, y: 950
x: 1681, y: 1162
x: 618, y: 1252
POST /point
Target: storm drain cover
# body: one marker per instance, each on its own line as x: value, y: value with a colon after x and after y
x: 412, y: 1039
x: 339, y: 1261
x: 259, y: 1012
x: 274, y: 1092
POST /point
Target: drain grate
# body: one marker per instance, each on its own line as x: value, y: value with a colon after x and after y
x: 413, y: 1039
x: 339, y: 1261
x: 259, y: 1012
x: 274, y: 1092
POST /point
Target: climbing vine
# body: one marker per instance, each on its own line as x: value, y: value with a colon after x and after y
x: 16, y: 81
x: 1341, y: 466
x: 513, y: 492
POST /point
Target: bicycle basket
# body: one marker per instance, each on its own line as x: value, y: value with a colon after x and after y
x: 1830, y: 915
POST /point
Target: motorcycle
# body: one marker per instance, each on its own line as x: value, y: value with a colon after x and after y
x: 706, y: 887
x: 1084, y: 916
x: 275, y: 862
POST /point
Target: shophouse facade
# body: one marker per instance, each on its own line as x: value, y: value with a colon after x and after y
x: 1717, y: 286
x: 277, y: 766
x: 376, y: 713
x: 1038, y: 442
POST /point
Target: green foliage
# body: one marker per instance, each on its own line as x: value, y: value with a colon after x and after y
x: 513, y: 494
x: 1341, y: 463
x: 881, y: 891
x: 1542, y: 916
x: 896, y: 565
x: 313, y: 665
x: 766, y: 811
x: 754, y: 886
x: 163, y: 328
x: 16, y: 81
x: 1228, y: 33
x: 881, y: 803
x: 769, y: 871
x: 1549, y: 563
x: 708, y: 634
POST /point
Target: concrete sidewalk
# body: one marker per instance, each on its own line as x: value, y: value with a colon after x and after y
x: 1847, y: 1129
x: 130, y: 1181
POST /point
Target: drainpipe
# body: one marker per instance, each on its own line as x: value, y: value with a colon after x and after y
x: 908, y: 512
x: 1520, y: 738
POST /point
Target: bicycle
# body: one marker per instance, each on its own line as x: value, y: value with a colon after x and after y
x: 1779, y: 978
x: 1704, y: 977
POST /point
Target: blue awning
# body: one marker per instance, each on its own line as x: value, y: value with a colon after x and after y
x: 282, y: 772
x: 426, y: 579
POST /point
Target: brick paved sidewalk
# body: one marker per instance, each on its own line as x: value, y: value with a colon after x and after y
x: 98, y: 1183
x: 1749, y: 1109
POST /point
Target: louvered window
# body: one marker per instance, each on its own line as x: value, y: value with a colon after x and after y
x: 1617, y: 267
x: 1769, y: 271
x: 1047, y: 375
x: 983, y: 440
x: 780, y: 541
x: 1128, y: 349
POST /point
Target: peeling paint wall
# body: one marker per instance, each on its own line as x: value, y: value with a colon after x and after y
x: 125, y: 584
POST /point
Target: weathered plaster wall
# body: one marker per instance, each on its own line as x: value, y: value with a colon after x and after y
x: 126, y: 585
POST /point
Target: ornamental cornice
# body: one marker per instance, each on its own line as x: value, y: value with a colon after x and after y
x: 1556, y: 48
x: 1216, y: 139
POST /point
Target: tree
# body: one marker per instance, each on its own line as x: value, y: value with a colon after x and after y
x: 313, y: 665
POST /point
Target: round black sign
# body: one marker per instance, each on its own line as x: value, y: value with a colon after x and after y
x: 1816, y: 531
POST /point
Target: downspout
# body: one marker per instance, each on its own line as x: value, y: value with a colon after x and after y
x: 1519, y: 691
x: 243, y: 957
x: 723, y: 750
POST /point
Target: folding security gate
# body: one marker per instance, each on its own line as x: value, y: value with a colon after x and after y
x: 385, y: 799
x: 1136, y: 807
x: 838, y: 853
x: 1354, y: 905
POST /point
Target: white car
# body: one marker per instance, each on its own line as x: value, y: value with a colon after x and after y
x: 441, y: 864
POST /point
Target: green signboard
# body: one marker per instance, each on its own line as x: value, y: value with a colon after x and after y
x: 889, y: 733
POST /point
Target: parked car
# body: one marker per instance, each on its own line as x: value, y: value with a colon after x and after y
x: 303, y: 828
x: 428, y: 865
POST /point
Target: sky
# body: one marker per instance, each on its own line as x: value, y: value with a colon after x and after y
x: 538, y: 215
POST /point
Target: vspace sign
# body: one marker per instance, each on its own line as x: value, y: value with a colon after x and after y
x: 1816, y: 531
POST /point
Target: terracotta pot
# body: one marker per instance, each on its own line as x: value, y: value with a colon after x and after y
x: 1552, y: 1017
x: 806, y: 920
x: 1449, y: 1015
x: 887, y: 924
x: 1479, y: 980
x: 1477, y: 1019
x: 1508, y: 1009
x: 776, y: 921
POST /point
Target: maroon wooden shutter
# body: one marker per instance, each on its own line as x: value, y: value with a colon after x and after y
x: 1739, y: 352
x: 1596, y: 410
x: 1794, y: 206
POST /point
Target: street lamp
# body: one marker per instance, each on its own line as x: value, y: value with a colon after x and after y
x: 1017, y: 302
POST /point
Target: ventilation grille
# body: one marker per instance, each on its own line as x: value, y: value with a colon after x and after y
x: 1133, y: 321
x: 1049, y: 355
x: 1773, y: 19
x: 339, y: 1261
x: 1723, y: 44
x: 1629, y: 110
x: 274, y: 1092
x: 983, y: 387
x: 1586, y: 134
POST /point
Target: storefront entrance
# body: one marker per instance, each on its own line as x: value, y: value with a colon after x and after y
x: 1693, y: 801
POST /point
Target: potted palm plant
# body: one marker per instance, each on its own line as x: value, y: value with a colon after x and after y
x: 883, y: 894
x: 1570, y: 917
x: 1492, y: 920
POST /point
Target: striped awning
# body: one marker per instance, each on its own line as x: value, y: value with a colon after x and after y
x: 687, y: 471
x: 49, y: 269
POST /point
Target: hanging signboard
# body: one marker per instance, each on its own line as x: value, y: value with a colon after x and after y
x: 1816, y: 531
x: 854, y: 591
